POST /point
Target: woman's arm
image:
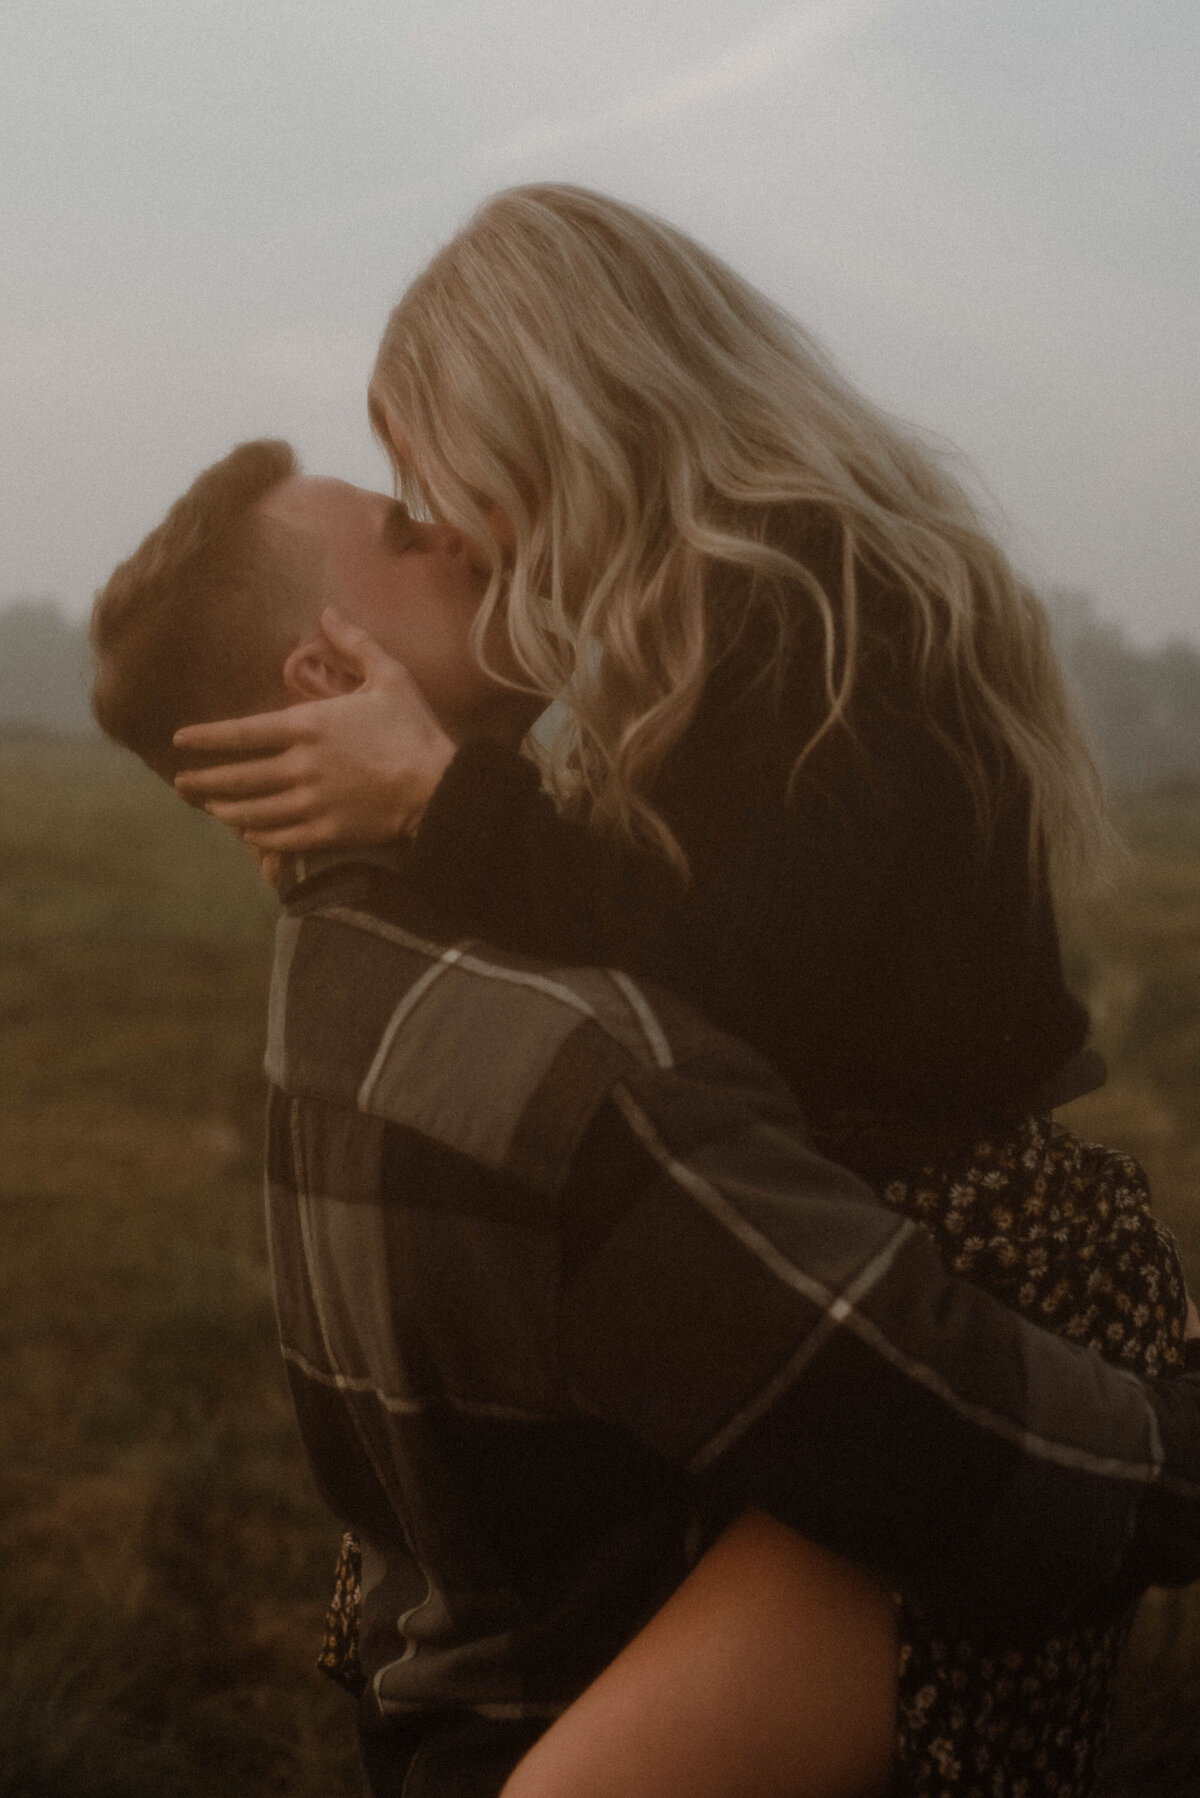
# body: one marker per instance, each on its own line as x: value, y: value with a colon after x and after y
x: 373, y: 765
x: 494, y: 849
x: 770, y: 1673
x: 856, y: 933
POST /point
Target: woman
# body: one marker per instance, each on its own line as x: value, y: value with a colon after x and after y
x: 815, y: 768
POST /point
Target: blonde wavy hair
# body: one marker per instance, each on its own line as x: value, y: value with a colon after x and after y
x: 641, y: 415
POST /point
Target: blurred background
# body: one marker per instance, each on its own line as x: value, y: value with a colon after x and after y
x: 987, y: 213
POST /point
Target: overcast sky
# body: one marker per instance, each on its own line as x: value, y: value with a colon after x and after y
x: 989, y: 210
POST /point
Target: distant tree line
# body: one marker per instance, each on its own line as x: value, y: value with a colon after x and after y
x: 1144, y: 704
x: 44, y: 668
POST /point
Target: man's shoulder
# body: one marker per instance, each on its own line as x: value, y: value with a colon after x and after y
x: 498, y: 1057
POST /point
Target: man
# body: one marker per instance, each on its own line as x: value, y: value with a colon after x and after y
x: 508, y: 1201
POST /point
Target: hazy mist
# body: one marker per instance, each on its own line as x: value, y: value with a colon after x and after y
x: 988, y: 212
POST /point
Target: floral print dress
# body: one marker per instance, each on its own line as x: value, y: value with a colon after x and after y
x: 1060, y: 1229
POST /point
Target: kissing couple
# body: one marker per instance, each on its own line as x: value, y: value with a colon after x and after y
x: 732, y: 1381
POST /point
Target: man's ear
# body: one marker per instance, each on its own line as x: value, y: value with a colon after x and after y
x: 314, y: 670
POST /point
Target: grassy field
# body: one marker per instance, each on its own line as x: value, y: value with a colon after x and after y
x: 165, y: 1557
x: 1134, y: 955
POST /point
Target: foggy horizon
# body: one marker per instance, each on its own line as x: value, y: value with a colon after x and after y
x: 987, y: 218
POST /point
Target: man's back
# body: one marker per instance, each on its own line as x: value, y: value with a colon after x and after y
x: 426, y: 1108
x: 562, y: 1286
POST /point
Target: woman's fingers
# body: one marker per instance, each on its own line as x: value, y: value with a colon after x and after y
x: 371, y: 661
x: 353, y: 769
x: 268, y: 864
x: 270, y: 812
x: 293, y: 839
x: 243, y: 736
x: 235, y: 780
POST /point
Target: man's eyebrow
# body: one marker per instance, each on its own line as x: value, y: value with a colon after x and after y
x: 397, y: 527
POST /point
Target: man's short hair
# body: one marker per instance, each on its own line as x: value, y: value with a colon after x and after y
x: 194, y: 626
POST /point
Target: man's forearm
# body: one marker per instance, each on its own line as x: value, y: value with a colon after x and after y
x: 757, y: 1316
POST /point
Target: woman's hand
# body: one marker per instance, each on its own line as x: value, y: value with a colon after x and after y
x: 268, y: 865
x: 328, y: 773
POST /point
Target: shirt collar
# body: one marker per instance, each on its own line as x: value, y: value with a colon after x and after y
x: 296, y: 871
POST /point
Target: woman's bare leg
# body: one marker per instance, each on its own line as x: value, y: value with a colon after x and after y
x: 770, y: 1673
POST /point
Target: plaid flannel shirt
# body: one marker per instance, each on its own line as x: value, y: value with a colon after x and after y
x: 562, y: 1285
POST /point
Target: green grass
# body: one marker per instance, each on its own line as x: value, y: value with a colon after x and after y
x: 166, y: 1559
x: 1134, y: 954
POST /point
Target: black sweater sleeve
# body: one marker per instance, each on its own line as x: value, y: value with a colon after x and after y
x: 495, y: 852
x: 854, y: 934
x: 851, y: 922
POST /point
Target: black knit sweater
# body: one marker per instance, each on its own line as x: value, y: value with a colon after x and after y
x: 860, y: 934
